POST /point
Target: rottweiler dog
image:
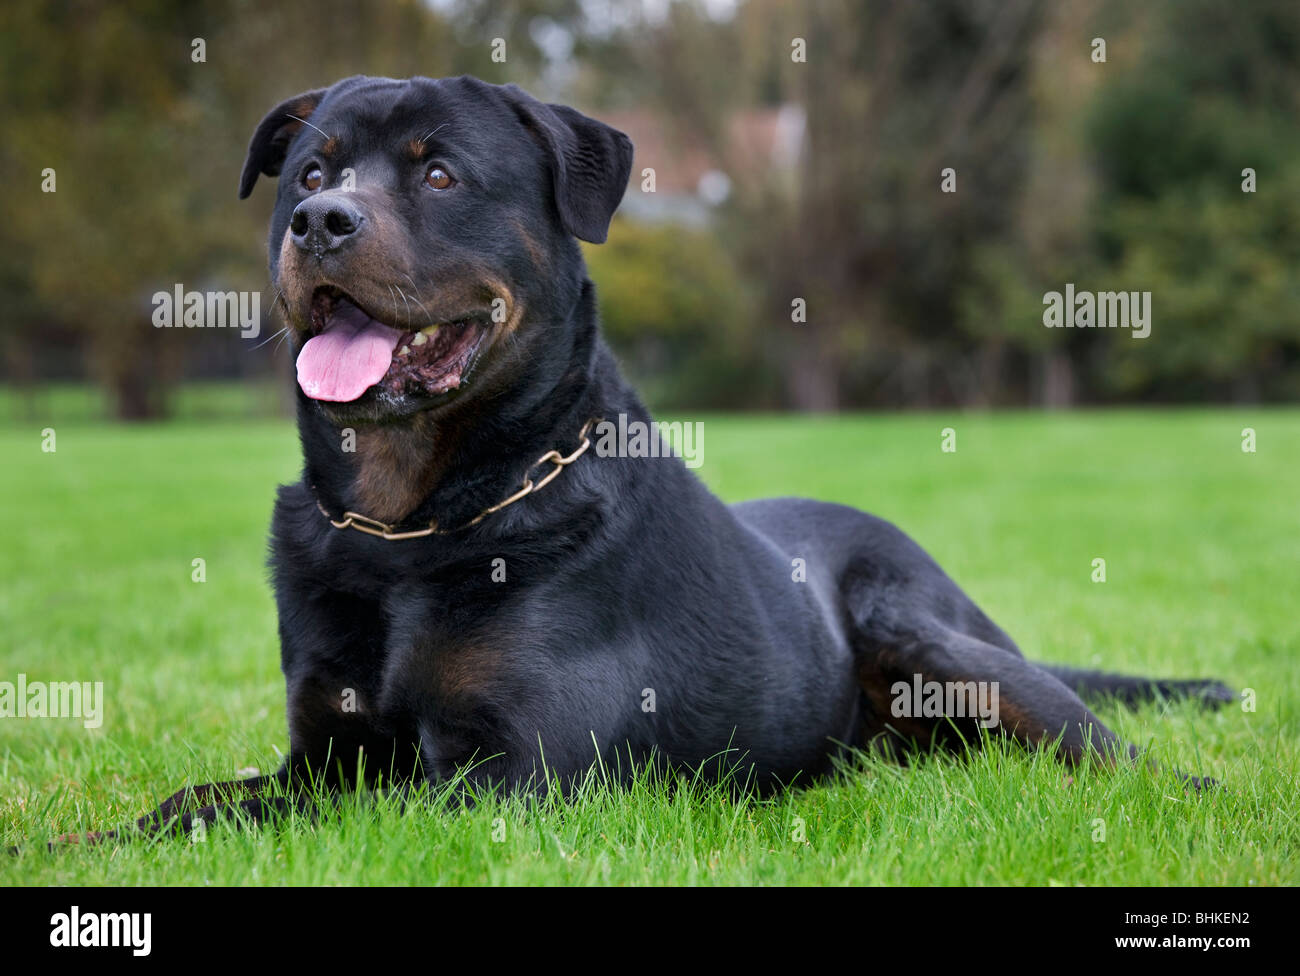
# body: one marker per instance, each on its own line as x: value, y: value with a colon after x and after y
x: 468, y: 588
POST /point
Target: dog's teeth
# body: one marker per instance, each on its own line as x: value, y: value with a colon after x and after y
x: 420, y: 339
x: 430, y: 330
x: 404, y: 351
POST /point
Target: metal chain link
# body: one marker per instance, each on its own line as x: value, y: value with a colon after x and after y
x: 382, y: 530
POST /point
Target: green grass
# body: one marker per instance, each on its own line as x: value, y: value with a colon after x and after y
x: 1200, y: 539
x: 74, y: 403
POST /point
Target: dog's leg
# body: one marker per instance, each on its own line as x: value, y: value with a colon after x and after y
x: 212, y: 796
x: 257, y: 808
x: 1032, y: 706
x: 259, y: 798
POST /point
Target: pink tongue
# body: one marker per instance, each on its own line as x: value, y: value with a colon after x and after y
x: 349, y: 357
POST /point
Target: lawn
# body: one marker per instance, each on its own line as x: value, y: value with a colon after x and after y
x: 1201, y: 542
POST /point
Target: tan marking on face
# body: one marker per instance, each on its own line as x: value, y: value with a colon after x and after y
x: 531, y: 245
x: 330, y: 147
x: 514, y: 310
x: 290, y: 280
x: 376, y: 263
x: 415, y: 149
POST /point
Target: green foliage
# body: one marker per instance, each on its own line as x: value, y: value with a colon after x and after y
x: 1215, y: 93
x: 1123, y: 175
x: 1222, y: 269
x: 1198, y: 93
x: 678, y: 314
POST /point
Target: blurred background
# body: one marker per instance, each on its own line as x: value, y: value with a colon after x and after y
x: 775, y: 178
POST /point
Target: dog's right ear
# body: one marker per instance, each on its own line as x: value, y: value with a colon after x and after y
x: 271, y: 140
x: 590, y: 162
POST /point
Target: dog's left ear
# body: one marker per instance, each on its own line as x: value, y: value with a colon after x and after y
x: 270, y: 142
x: 590, y: 163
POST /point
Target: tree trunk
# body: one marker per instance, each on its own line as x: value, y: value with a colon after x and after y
x: 1057, y: 380
x: 137, y: 367
x: 812, y: 379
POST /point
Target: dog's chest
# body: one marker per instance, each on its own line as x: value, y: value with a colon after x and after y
x: 444, y: 652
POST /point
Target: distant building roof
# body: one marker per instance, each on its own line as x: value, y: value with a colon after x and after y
x: 690, y: 178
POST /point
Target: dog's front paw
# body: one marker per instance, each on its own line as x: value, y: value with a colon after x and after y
x: 1198, y: 784
x: 1210, y: 693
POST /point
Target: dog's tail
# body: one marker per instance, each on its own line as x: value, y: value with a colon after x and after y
x: 1133, y: 690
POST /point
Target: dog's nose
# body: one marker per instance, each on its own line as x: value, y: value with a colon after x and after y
x: 322, y: 223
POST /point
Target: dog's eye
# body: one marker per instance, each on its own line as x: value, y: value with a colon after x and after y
x: 438, y: 178
x: 313, y: 178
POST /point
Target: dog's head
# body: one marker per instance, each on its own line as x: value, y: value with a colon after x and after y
x: 423, y: 236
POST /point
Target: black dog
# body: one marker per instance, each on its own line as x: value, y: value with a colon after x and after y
x: 437, y: 615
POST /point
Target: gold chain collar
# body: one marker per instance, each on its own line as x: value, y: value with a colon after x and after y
x: 363, y: 523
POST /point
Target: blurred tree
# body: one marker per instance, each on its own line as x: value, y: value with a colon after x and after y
x: 894, y: 92
x: 1215, y: 91
x: 146, y: 144
x: 88, y: 103
x: 1124, y: 174
x: 678, y: 313
x: 1048, y: 240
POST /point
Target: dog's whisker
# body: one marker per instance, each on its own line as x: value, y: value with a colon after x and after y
x: 408, y: 304
x: 414, y: 290
x: 416, y: 294
x: 316, y: 127
x: 431, y: 134
x: 270, y: 338
x: 426, y: 311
